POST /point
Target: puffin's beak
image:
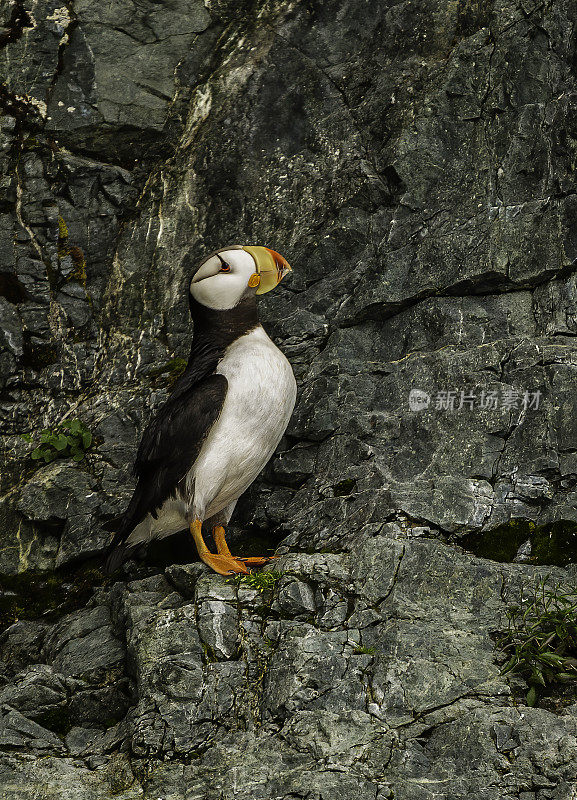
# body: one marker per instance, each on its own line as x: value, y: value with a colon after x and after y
x: 270, y: 266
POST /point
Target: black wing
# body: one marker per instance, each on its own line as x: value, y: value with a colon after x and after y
x: 169, y: 447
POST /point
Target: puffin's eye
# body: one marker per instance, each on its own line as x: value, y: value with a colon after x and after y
x: 225, y: 267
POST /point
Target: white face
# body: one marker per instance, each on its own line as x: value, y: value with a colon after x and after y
x: 221, y: 285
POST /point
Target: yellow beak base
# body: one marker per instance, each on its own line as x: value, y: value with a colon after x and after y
x: 270, y: 266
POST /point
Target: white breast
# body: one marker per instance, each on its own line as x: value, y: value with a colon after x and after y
x: 259, y: 402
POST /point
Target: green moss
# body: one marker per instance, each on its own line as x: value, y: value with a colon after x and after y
x: 345, y: 487
x: 30, y: 143
x: 168, y: 373
x: 62, y: 230
x: 75, y: 253
x: 360, y: 650
x: 79, y: 274
x: 554, y: 543
x: 120, y: 774
x: 209, y: 654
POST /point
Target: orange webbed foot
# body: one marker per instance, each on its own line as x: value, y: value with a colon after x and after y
x: 222, y: 547
x: 256, y: 561
x: 221, y: 562
x: 225, y: 565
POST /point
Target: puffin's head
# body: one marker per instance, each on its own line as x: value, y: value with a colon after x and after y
x: 227, y: 276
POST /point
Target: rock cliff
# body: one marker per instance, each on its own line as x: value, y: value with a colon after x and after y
x: 415, y: 162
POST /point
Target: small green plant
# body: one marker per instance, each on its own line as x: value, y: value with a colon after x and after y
x: 263, y: 581
x: 541, y: 640
x: 364, y: 651
x: 72, y: 439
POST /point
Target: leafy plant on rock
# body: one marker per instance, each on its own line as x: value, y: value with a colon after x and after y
x: 541, y: 640
x: 263, y: 581
x: 72, y: 439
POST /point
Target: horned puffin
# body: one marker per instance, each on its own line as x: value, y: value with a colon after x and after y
x: 222, y: 421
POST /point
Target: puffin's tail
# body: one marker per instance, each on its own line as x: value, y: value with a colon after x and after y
x: 118, y: 551
x: 122, y: 526
x: 117, y: 555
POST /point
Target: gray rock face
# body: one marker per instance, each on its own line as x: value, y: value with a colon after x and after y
x: 415, y: 164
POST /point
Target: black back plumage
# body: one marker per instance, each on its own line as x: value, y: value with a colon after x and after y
x: 172, y: 440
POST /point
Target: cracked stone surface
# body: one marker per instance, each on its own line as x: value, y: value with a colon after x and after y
x: 415, y: 164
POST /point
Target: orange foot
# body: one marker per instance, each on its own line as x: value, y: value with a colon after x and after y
x: 221, y: 562
x: 256, y: 561
x: 222, y: 547
x: 224, y: 565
